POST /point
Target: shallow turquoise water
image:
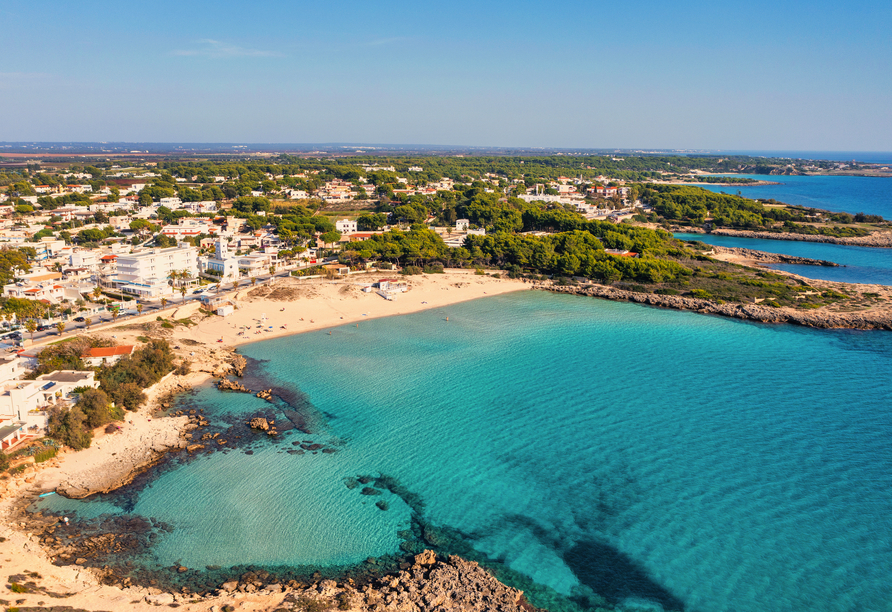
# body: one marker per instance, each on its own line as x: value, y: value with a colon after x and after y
x: 857, y: 264
x: 852, y: 194
x: 644, y: 454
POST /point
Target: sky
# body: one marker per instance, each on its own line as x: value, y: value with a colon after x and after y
x: 781, y: 75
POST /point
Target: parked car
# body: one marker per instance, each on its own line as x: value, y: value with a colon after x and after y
x: 42, y: 328
x: 80, y: 319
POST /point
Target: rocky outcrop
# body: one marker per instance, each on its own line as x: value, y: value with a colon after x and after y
x: 225, y: 384
x: 451, y: 584
x: 746, y: 312
x: 259, y: 423
x: 238, y: 363
x: 429, y: 584
x: 763, y: 257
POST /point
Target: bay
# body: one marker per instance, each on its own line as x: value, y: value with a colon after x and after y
x: 605, y: 450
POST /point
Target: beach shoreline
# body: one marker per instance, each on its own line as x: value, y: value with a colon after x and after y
x: 285, y: 307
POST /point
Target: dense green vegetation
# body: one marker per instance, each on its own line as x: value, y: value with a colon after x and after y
x: 124, y: 381
x: 696, y: 206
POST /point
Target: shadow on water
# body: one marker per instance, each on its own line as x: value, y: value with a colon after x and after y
x: 614, y: 576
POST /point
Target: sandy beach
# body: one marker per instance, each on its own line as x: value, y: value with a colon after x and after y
x: 288, y: 306
x: 295, y: 306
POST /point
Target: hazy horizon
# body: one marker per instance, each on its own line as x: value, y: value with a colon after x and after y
x: 641, y: 75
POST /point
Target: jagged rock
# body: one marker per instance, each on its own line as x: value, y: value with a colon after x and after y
x: 194, y: 447
x: 259, y: 423
x: 161, y: 599
x: 238, y: 363
x: 428, y: 557
x: 224, y: 384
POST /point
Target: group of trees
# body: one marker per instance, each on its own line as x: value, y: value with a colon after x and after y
x: 576, y: 252
x: 121, y: 387
x: 694, y: 205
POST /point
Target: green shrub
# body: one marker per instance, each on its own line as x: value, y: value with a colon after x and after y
x: 701, y: 293
x: 45, y: 455
x: 18, y: 588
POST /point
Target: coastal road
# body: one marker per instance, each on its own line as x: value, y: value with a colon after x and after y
x: 73, y: 327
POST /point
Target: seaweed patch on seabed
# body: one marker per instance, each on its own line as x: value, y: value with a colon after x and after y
x: 293, y: 403
x: 598, y: 590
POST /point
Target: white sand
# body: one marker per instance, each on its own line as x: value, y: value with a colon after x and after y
x: 302, y: 306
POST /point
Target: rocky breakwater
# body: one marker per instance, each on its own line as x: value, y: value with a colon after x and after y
x: 876, y: 239
x: 763, y: 257
x: 747, y: 312
x: 115, y: 459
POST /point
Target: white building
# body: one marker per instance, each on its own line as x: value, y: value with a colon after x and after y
x: 256, y: 264
x: 223, y: 265
x: 207, y: 206
x: 345, y: 226
x: 23, y: 404
x: 146, y: 274
x: 85, y: 258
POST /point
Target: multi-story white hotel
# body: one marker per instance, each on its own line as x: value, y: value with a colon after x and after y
x: 146, y: 274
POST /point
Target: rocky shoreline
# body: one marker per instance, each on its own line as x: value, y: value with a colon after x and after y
x: 745, y: 312
x: 882, y: 239
x: 763, y: 257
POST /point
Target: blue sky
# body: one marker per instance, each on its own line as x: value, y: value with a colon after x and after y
x: 758, y: 75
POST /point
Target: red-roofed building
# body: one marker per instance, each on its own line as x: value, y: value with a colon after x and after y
x: 106, y: 355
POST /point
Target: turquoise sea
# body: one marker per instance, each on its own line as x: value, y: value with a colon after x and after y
x: 615, y: 454
x: 857, y: 264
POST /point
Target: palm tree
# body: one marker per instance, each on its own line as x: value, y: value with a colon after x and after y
x: 253, y: 280
x: 139, y: 307
x: 97, y: 291
x: 163, y: 302
x: 31, y: 327
x: 60, y: 326
x: 88, y: 322
x: 183, y: 293
x: 115, y: 314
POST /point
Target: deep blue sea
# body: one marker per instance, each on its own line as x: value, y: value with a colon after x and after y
x: 852, y: 194
x: 857, y: 264
x: 609, y: 451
